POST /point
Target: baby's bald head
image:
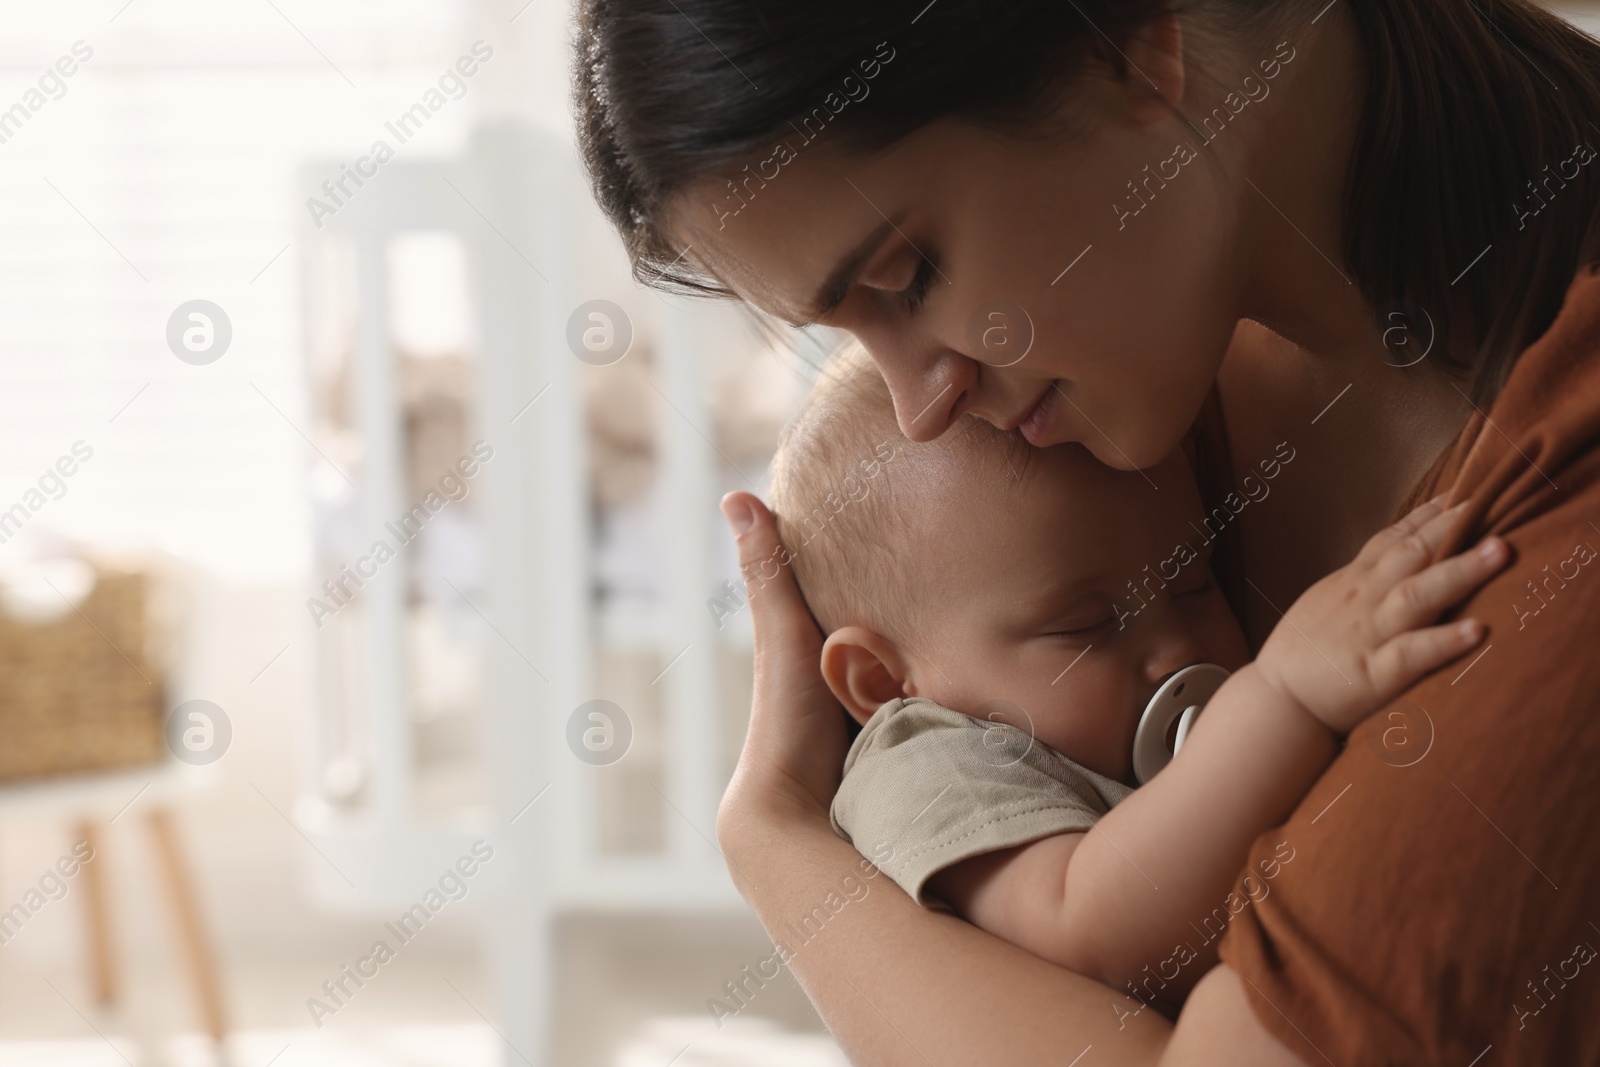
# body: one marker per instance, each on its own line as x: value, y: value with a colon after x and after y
x: 1035, y: 587
x: 851, y: 494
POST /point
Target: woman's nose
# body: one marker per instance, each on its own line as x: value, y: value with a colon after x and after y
x: 927, y: 387
x: 925, y: 422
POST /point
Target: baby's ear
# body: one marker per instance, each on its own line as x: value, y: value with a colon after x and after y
x: 863, y: 669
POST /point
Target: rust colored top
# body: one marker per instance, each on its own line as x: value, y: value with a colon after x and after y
x: 1443, y: 896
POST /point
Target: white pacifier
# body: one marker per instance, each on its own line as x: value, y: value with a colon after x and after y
x: 1170, y: 715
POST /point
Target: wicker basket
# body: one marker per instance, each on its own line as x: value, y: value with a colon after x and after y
x: 79, y: 693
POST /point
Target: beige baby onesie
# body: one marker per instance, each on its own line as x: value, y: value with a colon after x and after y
x: 926, y: 787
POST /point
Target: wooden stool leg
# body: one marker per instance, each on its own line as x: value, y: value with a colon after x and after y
x: 191, y: 929
x: 102, y: 947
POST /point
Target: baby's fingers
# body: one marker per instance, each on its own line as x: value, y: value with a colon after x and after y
x: 1410, y: 553
x: 1404, y: 659
x: 1419, y: 599
x: 1414, y: 520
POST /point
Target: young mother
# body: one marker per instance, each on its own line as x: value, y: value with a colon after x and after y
x: 1360, y: 228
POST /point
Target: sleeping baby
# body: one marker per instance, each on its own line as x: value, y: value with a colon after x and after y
x: 975, y: 596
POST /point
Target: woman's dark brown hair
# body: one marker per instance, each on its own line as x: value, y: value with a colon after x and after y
x: 1461, y: 198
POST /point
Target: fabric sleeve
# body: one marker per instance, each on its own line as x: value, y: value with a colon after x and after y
x: 926, y: 787
x: 1432, y: 900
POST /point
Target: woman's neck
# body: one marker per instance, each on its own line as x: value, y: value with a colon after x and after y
x: 1326, y: 377
x: 1361, y: 434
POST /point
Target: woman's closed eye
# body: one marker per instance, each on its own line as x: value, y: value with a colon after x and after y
x: 912, y: 296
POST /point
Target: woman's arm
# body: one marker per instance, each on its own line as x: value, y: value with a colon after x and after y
x: 897, y: 983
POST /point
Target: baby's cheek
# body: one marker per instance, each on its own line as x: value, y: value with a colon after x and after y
x: 1088, y: 714
x: 975, y: 680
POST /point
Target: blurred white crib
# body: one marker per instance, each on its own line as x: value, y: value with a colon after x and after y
x: 509, y: 201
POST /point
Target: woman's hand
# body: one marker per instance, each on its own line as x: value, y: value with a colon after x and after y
x: 794, y: 752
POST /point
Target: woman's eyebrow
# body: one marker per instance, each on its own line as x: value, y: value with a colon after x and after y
x: 837, y: 284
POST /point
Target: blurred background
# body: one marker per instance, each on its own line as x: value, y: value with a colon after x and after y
x: 372, y: 656
x: 370, y: 671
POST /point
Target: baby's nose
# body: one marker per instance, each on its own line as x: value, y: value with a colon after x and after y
x: 1173, y: 648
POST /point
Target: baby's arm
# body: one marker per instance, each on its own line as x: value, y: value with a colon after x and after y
x: 1121, y: 897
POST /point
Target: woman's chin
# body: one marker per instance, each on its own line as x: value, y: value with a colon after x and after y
x: 1057, y: 423
x: 1117, y: 457
x: 1142, y: 451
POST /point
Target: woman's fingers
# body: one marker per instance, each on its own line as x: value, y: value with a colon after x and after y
x: 1405, y: 658
x: 778, y: 611
x: 794, y: 749
x: 789, y: 687
x: 1420, y: 598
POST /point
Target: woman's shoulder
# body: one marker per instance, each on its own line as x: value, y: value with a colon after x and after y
x: 1498, y: 748
x: 1548, y: 408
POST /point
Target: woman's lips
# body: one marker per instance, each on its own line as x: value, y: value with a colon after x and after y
x: 1035, y: 423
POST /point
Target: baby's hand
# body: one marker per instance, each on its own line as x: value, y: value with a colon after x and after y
x: 1360, y: 636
